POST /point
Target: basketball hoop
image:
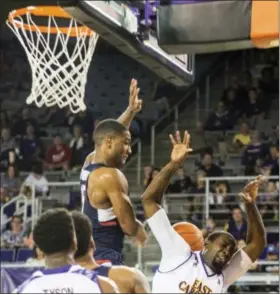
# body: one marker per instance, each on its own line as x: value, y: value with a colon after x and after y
x: 58, y: 76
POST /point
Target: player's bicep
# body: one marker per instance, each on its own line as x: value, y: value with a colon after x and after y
x: 107, y: 285
x: 171, y: 243
x: 237, y: 267
x: 116, y: 190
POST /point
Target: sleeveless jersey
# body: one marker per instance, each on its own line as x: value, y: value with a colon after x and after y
x: 107, y: 232
x: 67, y: 279
x: 192, y: 276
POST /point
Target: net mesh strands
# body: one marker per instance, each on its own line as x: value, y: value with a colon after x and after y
x: 59, y: 58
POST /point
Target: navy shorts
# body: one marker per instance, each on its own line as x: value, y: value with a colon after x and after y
x: 105, y: 255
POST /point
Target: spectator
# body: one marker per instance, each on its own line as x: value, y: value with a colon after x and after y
x: 222, y: 194
x: 254, y: 109
x: 38, y: 180
x: 152, y: 175
x: 237, y: 226
x: 209, y: 228
x: 11, y: 182
x: 221, y: 120
x: 83, y: 119
x: 211, y: 169
x: 76, y: 145
x: 181, y: 184
x: 30, y: 148
x: 7, y: 146
x: 147, y: 172
x: 199, y: 186
x: 243, y: 138
x: 4, y: 120
x: 247, y: 80
x: 272, y: 163
x: 255, y: 150
x: 231, y: 102
x: 23, y: 122
x: 38, y: 259
x: 13, y: 237
x: 58, y: 156
x: 268, y: 84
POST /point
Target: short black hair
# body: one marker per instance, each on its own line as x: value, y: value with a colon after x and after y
x: 106, y: 128
x: 217, y: 234
x: 54, y: 231
x: 83, y: 228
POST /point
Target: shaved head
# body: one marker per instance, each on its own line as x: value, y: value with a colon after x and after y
x: 107, y: 128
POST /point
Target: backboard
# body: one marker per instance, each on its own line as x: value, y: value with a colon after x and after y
x: 120, y: 25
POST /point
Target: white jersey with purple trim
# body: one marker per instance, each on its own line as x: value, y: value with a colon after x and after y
x: 184, y: 271
x: 69, y: 279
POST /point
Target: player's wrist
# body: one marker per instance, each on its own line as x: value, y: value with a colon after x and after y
x: 175, y: 164
x: 130, y: 111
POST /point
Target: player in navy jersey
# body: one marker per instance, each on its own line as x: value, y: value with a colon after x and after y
x: 128, y: 279
x: 55, y: 236
x: 104, y: 188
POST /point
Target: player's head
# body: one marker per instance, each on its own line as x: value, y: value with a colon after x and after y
x: 113, y: 140
x: 83, y: 229
x: 54, y: 233
x: 219, y: 249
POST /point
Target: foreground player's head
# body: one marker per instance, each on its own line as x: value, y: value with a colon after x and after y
x: 219, y: 249
x: 112, y: 140
x: 83, y: 229
x: 54, y: 233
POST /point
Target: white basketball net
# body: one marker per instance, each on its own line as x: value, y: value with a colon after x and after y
x: 58, y: 76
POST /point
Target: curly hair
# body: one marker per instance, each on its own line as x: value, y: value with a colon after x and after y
x: 54, y: 231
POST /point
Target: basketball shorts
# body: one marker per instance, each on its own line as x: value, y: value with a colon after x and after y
x: 106, y: 255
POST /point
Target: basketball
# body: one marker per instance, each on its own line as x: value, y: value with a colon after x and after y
x: 191, y: 234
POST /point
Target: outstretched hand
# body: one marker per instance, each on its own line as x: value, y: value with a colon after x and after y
x: 180, y: 149
x: 249, y: 193
x: 135, y: 104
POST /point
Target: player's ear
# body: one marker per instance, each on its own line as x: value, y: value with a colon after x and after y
x: 92, y: 244
x: 109, y: 141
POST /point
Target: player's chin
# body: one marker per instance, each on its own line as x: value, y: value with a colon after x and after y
x: 219, y: 266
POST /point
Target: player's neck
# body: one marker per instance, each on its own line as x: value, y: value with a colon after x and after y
x: 59, y: 260
x: 87, y: 261
x: 100, y: 158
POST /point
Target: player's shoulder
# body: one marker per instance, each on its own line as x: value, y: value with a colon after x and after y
x: 108, y: 175
x: 125, y: 271
x: 107, y: 285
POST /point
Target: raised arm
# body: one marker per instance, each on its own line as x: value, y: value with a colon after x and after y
x: 256, y: 235
x: 152, y: 197
x: 134, y: 106
x: 173, y: 247
x: 116, y: 188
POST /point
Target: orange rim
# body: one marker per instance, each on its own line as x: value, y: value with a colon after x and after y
x: 56, y: 11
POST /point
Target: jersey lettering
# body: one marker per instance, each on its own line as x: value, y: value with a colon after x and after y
x: 66, y: 290
x: 196, y: 288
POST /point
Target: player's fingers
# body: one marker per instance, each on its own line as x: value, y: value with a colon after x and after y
x: 178, y: 137
x: 172, y: 139
x: 185, y: 139
x: 131, y: 85
x: 261, y: 179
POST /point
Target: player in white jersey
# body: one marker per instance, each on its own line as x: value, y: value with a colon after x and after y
x: 54, y: 235
x: 220, y: 264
